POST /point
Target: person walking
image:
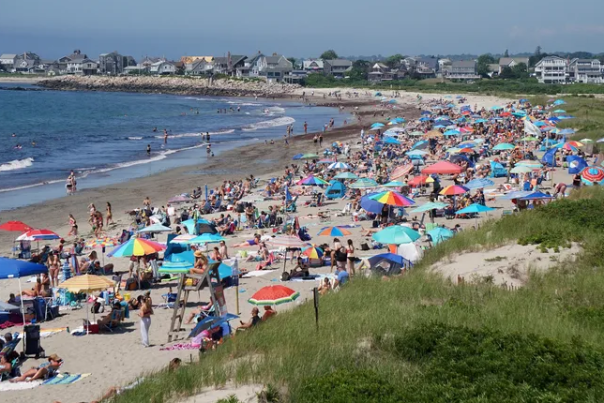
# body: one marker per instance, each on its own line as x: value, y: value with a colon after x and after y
x: 145, y: 314
x: 351, y: 257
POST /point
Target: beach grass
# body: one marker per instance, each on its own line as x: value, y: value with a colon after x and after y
x: 420, y: 338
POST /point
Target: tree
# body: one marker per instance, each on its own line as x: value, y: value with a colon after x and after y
x: 520, y: 71
x: 359, y: 70
x: 482, y: 65
x: 180, y: 69
x: 506, y: 53
x: 538, y: 51
x: 329, y: 54
x: 393, y: 61
x: 293, y: 61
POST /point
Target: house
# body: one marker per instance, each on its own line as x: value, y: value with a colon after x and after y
x: 511, y: 62
x: 199, y: 67
x: 423, y: 67
x: 551, y: 70
x: 192, y: 59
x: 313, y: 66
x: 228, y: 65
x: 463, y: 70
x: 273, y: 68
x: 337, y: 67
x: 585, y: 71
x: 26, y: 62
x: 381, y: 73
x: 78, y: 63
x: 444, y: 66
x: 245, y: 69
x: 7, y: 61
x: 113, y: 63
x: 162, y: 67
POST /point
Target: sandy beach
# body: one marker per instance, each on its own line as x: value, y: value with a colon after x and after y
x: 119, y: 358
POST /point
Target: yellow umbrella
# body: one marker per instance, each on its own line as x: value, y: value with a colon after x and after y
x: 87, y: 282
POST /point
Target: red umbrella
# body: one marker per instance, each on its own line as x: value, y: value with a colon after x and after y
x: 442, y: 167
x: 16, y: 226
x: 273, y: 295
x: 418, y: 181
x: 38, y: 235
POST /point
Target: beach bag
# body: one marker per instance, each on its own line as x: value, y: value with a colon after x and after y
x: 97, y: 307
x: 285, y: 276
x: 364, y: 246
x: 130, y: 284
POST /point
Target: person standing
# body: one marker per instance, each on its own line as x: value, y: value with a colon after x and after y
x: 350, y: 256
x: 320, y: 140
x: 145, y: 314
x: 305, y: 127
x: 148, y: 149
x: 109, y: 214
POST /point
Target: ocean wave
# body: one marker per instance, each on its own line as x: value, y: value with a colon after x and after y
x: 182, y: 135
x: 243, y: 103
x: 283, y: 121
x: 135, y: 138
x: 16, y: 164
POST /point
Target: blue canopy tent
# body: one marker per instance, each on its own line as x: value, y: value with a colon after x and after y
x: 13, y: 268
x: 335, y: 190
x: 461, y: 157
x: 497, y: 170
x: 388, y: 264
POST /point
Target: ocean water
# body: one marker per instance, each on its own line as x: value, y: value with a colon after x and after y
x: 103, y: 136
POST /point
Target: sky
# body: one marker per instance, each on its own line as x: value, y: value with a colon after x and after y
x: 298, y: 28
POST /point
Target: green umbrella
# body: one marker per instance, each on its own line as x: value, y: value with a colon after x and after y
x: 529, y: 138
x: 396, y: 235
x: 309, y: 156
x: 416, y: 133
x: 586, y: 141
x: 428, y: 206
x: 346, y: 175
x: 364, y: 183
x: 504, y: 146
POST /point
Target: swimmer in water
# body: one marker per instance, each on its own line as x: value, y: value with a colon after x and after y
x: 148, y: 149
x: 14, y: 135
x: 33, y: 143
x: 155, y: 129
x: 18, y: 147
x: 165, y: 136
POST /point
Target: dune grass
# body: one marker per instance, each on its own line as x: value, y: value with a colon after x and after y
x: 361, y: 326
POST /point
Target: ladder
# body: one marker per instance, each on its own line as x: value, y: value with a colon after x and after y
x: 200, y: 281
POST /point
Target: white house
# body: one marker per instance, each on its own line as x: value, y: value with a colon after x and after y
x: 163, y: 67
x: 313, y: 66
x: 585, y: 71
x: 551, y: 70
x: 7, y: 61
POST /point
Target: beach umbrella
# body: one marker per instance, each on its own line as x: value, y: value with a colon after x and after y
x: 312, y: 252
x: 521, y: 170
x: 326, y: 161
x: 394, y: 184
x: 396, y: 235
x: 475, y: 208
x: 559, y: 102
x: 273, y: 295
x: 180, y: 199
x: 286, y: 241
x: 559, y: 111
x: 429, y: 206
x: 433, y: 134
x: 453, y: 190
x: 392, y: 199
x: 467, y: 150
x: 401, y: 171
x: 13, y: 268
x: 440, y: 234
x: 136, y: 247
x: 346, y: 175
x: 442, y: 167
x: 420, y: 180
x: 529, y: 164
x: 86, y: 283
x: 416, y: 153
x: 496, y: 108
x: 334, y: 231
x: 451, y: 133
x: 529, y: 138
x: 206, y: 238
x: 420, y: 145
x: 339, y: 165
x: 587, y: 140
x: 15, y: 226
x: 182, y: 238
x: 297, y: 156
x: 377, y: 125
x: 371, y: 205
x: 386, y: 257
x: 312, y: 180
x: 155, y: 228
x: 308, y: 156
x: 416, y: 133
x: 392, y: 140
x: 38, y: 235
x: 573, y: 143
x: 567, y: 131
x: 181, y: 263
x: 515, y: 195
x: 364, y: 183
x: 479, y: 183
x: 536, y: 196
x: 593, y: 175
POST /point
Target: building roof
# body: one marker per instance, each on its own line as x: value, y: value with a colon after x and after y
x: 308, y: 63
x: 431, y: 62
x: 339, y: 62
x: 493, y: 67
x: 505, y: 61
x: 192, y: 59
x: 464, y: 63
x: 8, y: 56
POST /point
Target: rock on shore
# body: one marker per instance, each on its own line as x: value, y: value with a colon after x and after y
x: 170, y: 85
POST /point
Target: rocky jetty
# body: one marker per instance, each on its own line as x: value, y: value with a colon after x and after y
x: 171, y: 85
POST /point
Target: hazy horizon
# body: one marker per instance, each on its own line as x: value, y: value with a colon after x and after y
x: 351, y: 28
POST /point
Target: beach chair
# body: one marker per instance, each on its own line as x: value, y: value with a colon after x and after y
x: 218, y: 206
x: 115, y: 322
x: 207, y: 207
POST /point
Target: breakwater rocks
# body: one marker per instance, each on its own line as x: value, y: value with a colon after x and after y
x: 171, y: 85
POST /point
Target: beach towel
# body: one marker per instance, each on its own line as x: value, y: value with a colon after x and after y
x: 181, y: 346
x: 49, y: 332
x: 65, y: 379
x: 257, y: 273
x: 7, y: 386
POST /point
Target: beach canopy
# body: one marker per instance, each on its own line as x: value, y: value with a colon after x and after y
x: 392, y: 199
x: 429, y: 206
x: 442, y: 167
x: 273, y: 295
x: 453, y: 190
x: 440, y: 234
x: 136, y: 247
x: 13, y: 268
x: 475, y: 208
x: 346, y: 175
x: 86, y: 283
x: 154, y: 228
x: 396, y: 235
x: 38, y: 235
x: 334, y: 231
x: 479, y: 183
x: 593, y: 175
x: 15, y: 226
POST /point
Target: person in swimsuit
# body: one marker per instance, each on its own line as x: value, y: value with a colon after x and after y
x: 109, y: 216
x: 73, y: 224
x: 44, y: 371
x: 54, y: 264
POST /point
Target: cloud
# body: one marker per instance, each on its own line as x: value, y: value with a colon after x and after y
x: 516, y: 32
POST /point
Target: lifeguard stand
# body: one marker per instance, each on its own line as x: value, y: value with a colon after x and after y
x: 200, y: 281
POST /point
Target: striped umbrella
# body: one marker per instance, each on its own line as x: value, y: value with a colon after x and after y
x: 136, y: 247
x: 593, y: 175
x: 334, y: 231
x: 273, y: 295
x: 286, y: 241
x: 86, y: 283
x: 339, y: 165
x: 312, y: 181
x: 312, y: 252
x: 392, y: 199
x: 38, y: 235
x: 453, y: 190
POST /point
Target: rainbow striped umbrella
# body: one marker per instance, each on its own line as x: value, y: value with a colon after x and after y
x: 312, y: 181
x: 334, y: 231
x: 273, y: 295
x: 453, y: 190
x: 100, y: 242
x: 312, y: 252
x: 593, y: 176
x: 136, y: 247
x: 392, y: 199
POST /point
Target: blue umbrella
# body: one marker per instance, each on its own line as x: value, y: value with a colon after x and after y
x: 426, y: 113
x: 425, y: 119
x: 391, y: 257
x: 391, y: 140
x: 211, y: 322
x: 567, y: 131
x: 371, y: 206
x: 452, y: 133
x: 440, y: 234
x: 475, y: 208
x: 479, y: 183
x: 206, y: 238
x: 536, y: 196
x: 297, y: 156
x: 396, y: 235
x: 416, y: 153
x: 13, y: 268
x: 420, y: 144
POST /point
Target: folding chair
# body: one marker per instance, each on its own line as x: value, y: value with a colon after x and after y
x: 115, y: 322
